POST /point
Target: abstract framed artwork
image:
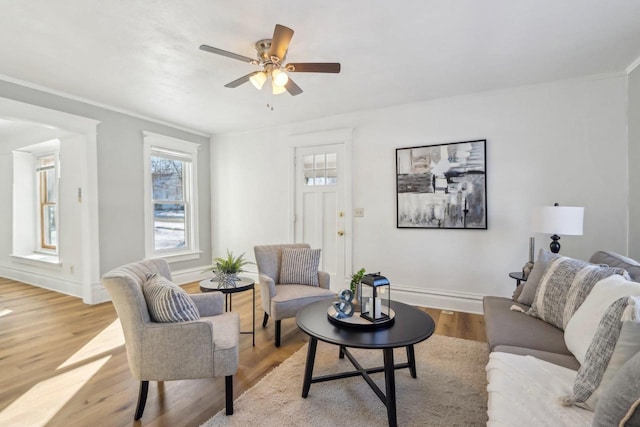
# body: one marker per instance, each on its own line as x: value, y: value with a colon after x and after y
x: 442, y: 186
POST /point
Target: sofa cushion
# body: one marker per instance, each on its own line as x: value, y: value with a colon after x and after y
x: 168, y: 302
x: 525, y: 391
x: 613, y: 259
x: 506, y: 327
x: 583, y: 324
x: 300, y: 266
x: 564, y: 286
x: 616, y: 341
x: 530, y: 287
x: 564, y: 360
x: 621, y: 398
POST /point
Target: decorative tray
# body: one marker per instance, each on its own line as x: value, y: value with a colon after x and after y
x: 358, y: 322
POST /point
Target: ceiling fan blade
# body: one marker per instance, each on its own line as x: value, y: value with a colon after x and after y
x: 280, y: 41
x: 292, y: 88
x: 241, y: 80
x: 313, y: 67
x: 227, y: 54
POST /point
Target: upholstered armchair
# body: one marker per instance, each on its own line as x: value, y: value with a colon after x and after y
x: 282, y: 301
x: 203, y: 348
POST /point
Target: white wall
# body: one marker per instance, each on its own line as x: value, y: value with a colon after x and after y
x: 114, y: 234
x: 563, y: 142
x: 634, y: 161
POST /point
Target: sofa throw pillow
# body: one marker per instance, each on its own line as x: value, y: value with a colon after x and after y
x: 564, y: 286
x: 168, y: 302
x: 619, y: 404
x: 530, y: 287
x: 616, y: 341
x: 300, y: 266
x: 583, y: 324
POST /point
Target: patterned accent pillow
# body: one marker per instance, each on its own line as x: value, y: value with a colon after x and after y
x: 616, y: 341
x: 620, y: 401
x: 300, y: 266
x: 564, y: 286
x: 530, y: 287
x: 168, y: 302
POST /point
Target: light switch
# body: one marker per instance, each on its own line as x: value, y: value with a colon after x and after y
x: 358, y: 212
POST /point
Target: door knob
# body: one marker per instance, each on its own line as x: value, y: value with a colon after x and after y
x: 340, y: 233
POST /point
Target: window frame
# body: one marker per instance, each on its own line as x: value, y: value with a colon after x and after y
x: 42, y: 200
x: 156, y: 144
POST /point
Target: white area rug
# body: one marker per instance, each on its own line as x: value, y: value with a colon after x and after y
x: 451, y: 390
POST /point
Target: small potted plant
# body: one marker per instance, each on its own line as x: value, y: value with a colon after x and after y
x: 225, y: 270
x: 355, y: 280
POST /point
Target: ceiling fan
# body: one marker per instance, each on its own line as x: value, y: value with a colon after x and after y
x: 271, y: 54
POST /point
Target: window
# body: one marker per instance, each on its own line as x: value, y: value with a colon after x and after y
x: 320, y: 169
x: 36, y: 202
x: 171, y: 226
x: 47, y: 183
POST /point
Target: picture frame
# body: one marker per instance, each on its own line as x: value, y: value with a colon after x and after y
x: 442, y: 186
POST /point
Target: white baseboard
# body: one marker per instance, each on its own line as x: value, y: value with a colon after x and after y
x: 42, y: 280
x: 435, y: 298
x: 98, y: 294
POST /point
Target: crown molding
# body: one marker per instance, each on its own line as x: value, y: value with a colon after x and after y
x: 99, y: 104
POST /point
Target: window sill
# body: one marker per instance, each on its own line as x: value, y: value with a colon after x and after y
x: 178, y: 257
x: 39, y: 260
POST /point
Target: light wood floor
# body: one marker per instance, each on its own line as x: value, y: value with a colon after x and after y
x: 48, y: 378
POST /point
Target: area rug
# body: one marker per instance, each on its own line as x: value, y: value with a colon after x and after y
x: 450, y: 390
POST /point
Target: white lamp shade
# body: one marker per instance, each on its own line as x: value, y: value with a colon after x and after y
x: 258, y: 79
x: 564, y: 220
x: 277, y: 90
x: 280, y: 78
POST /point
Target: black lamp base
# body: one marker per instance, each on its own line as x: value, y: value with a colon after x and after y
x: 555, y: 245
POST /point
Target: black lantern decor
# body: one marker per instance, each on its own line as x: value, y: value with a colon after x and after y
x: 374, y: 296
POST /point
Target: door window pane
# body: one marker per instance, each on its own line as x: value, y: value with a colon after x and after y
x: 308, y: 162
x: 320, y: 169
x: 309, y: 178
x: 331, y: 161
x: 331, y: 177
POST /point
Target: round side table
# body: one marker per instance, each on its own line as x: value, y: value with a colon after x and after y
x: 244, y: 284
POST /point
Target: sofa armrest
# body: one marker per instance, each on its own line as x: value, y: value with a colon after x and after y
x: 267, y: 291
x: 209, y: 303
x: 324, y: 279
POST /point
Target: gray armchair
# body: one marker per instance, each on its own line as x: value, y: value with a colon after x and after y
x: 284, y: 301
x: 203, y: 348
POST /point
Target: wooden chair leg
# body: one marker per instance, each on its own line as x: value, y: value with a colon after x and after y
x: 264, y: 321
x: 278, y: 328
x: 228, y: 392
x: 142, y: 399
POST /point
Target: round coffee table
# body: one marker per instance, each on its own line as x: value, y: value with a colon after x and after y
x: 410, y: 327
x: 244, y: 284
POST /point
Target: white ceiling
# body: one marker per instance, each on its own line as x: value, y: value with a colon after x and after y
x: 142, y: 56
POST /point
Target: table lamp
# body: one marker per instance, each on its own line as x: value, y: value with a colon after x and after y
x: 556, y: 220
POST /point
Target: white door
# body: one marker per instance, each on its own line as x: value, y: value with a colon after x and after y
x: 320, y: 205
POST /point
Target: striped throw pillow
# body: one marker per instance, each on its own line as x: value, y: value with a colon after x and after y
x: 564, y: 286
x: 300, y: 266
x: 168, y: 302
x: 616, y: 341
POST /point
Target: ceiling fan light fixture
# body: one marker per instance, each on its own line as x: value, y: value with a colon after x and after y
x: 280, y: 78
x: 258, y: 79
x: 277, y: 90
